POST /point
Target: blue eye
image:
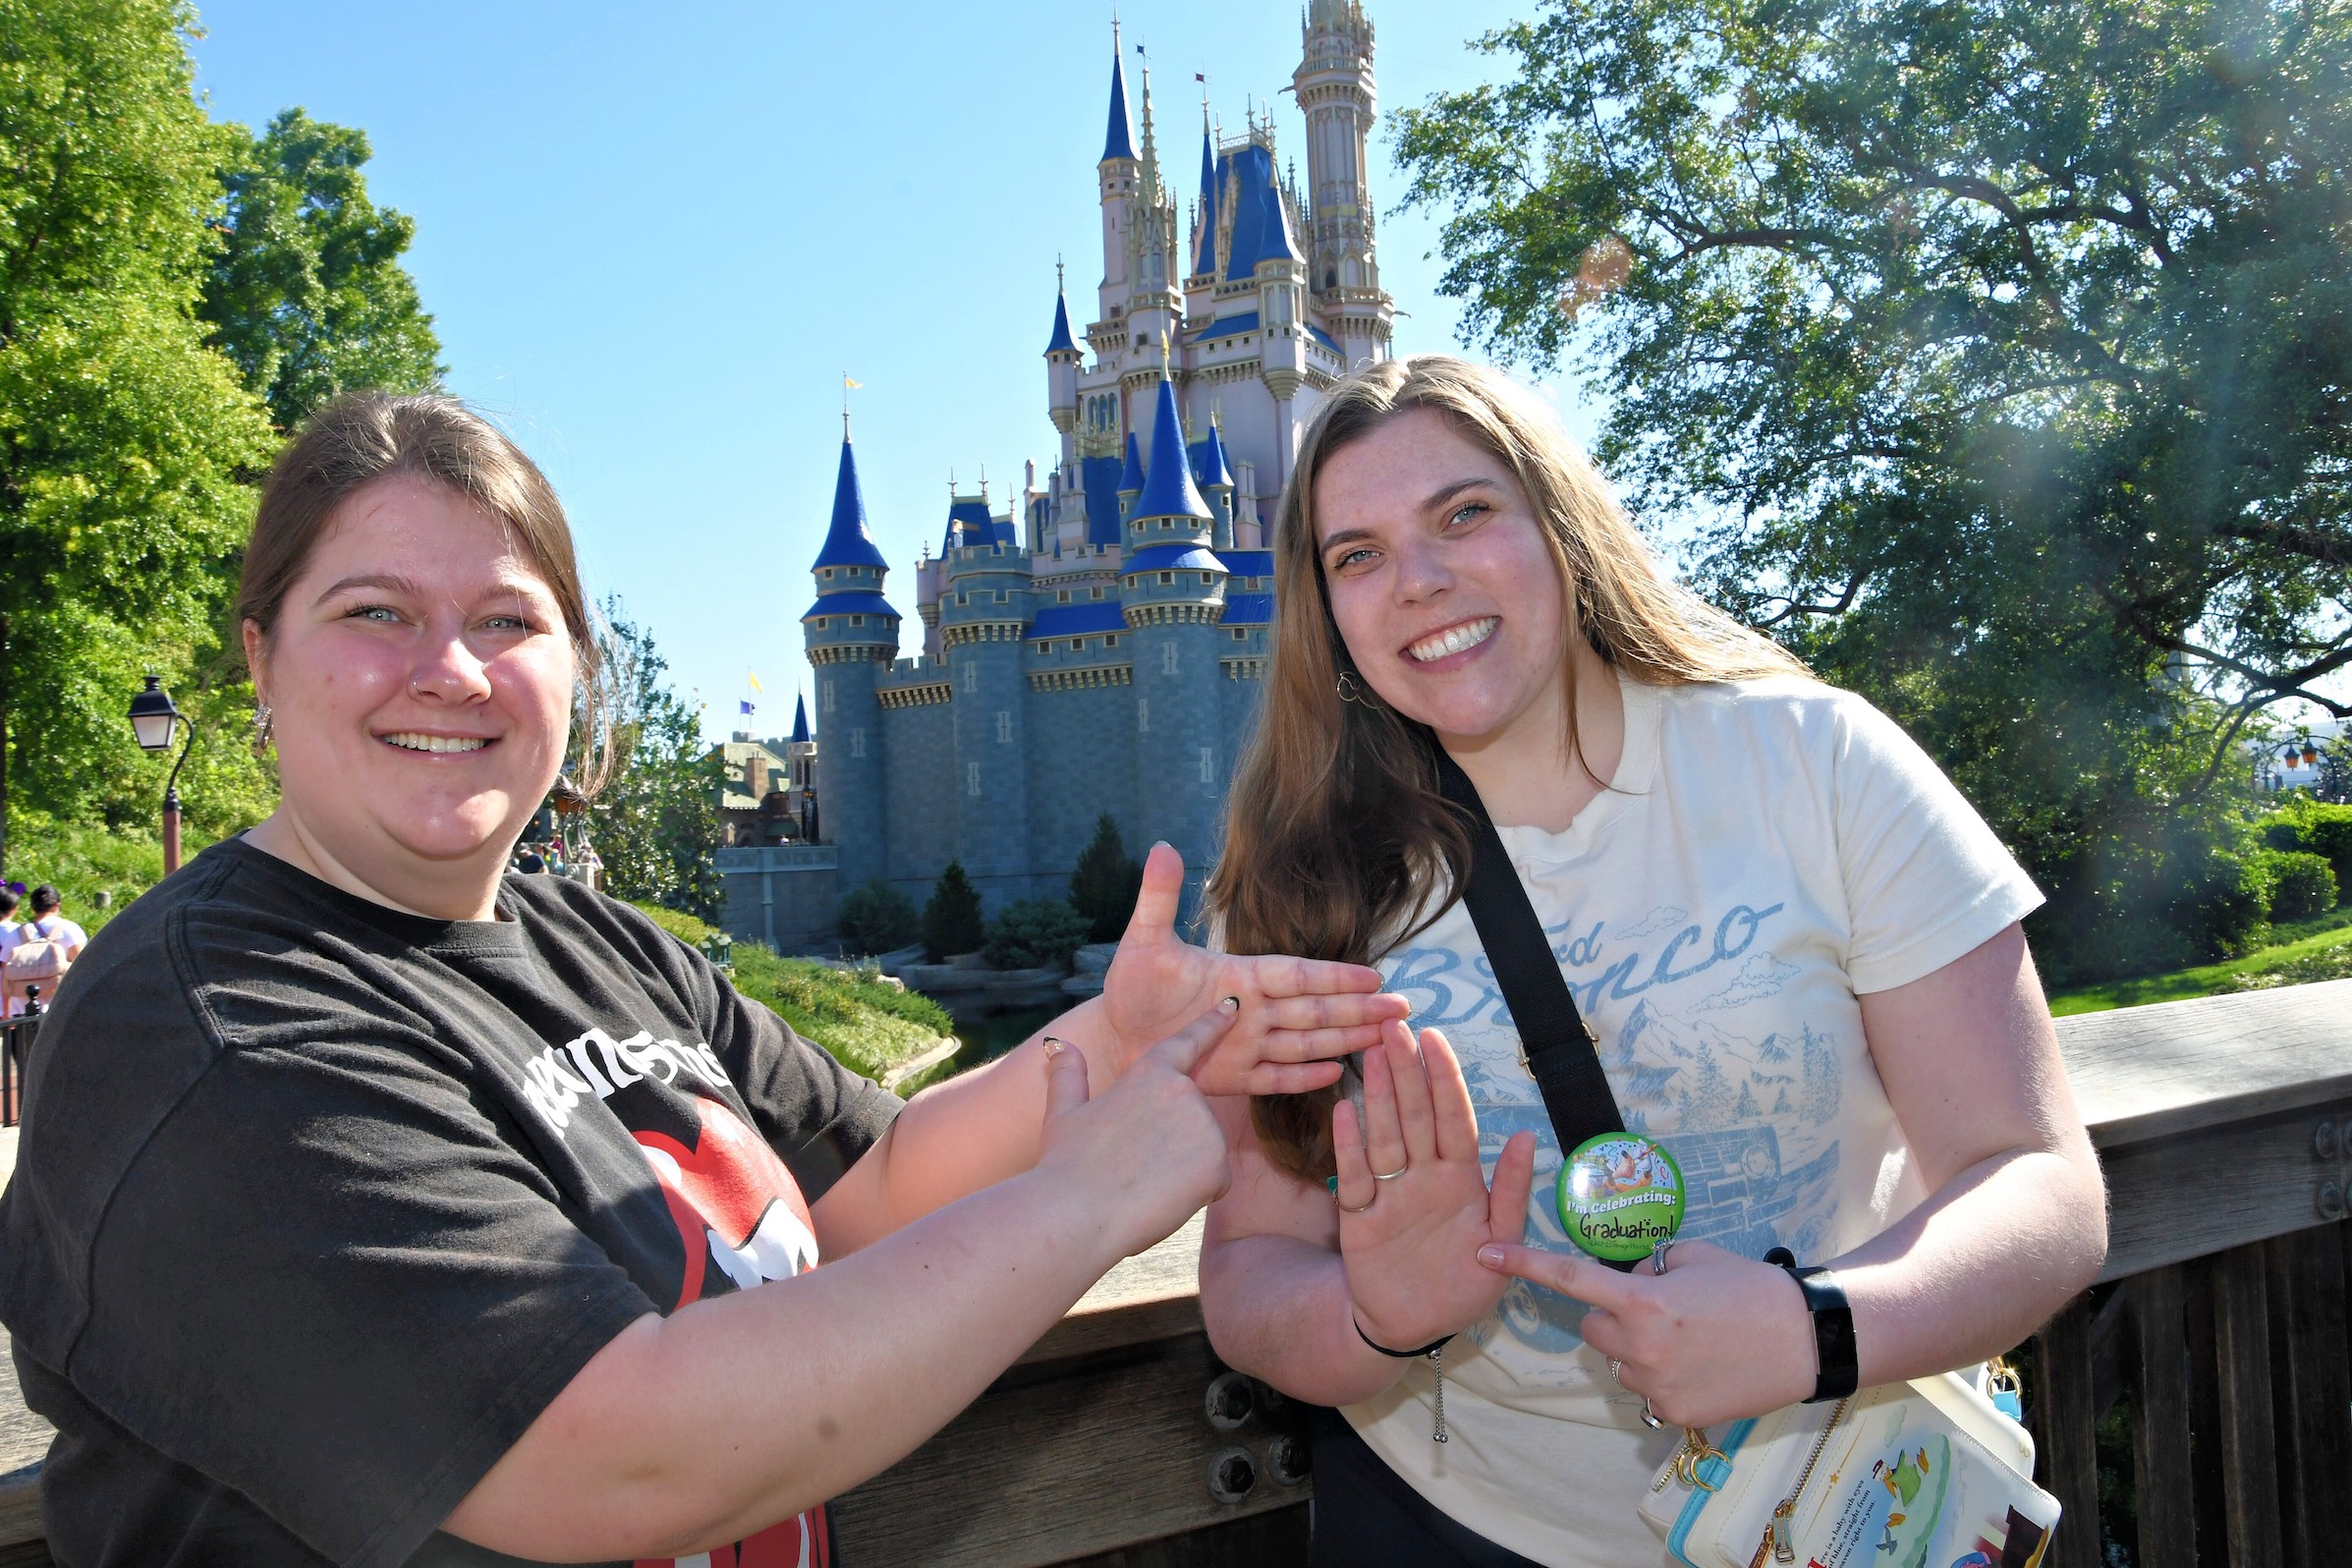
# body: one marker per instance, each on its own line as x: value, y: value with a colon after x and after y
x: 377, y: 613
x: 1471, y: 509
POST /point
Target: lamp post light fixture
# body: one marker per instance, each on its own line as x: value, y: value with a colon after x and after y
x: 155, y: 719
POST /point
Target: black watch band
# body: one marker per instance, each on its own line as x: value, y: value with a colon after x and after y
x: 1400, y: 1355
x: 1833, y: 1350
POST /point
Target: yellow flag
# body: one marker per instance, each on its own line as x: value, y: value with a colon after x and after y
x: 755, y: 680
x: 856, y: 386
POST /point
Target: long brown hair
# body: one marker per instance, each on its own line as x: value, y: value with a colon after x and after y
x: 362, y: 437
x: 1337, y: 843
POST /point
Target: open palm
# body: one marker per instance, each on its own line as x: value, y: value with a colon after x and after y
x: 1298, y: 1015
x: 1413, y: 1204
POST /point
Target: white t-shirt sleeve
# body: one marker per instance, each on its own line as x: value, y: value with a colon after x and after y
x: 1925, y: 880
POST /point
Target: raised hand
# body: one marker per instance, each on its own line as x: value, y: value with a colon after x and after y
x: 1298, y: 1016
x: 1149, y: 1147
x: 1414, y: 1205
x: 1716, y: 1337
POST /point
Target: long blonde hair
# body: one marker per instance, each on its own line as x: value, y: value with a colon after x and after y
x: 1337, y: 843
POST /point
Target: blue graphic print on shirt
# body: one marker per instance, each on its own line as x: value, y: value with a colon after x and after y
x: 1747, y: 1118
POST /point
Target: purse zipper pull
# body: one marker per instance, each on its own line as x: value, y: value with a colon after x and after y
x: 1437, y: 1431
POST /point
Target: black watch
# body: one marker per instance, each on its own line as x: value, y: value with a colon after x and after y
x: 1833, y: 1351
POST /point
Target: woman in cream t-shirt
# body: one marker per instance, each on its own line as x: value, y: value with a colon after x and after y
x: 1795, y: 943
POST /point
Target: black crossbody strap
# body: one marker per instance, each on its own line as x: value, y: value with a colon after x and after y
x: 1556, y: 1043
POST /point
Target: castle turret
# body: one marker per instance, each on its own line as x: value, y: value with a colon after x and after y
x: 1216, y: 486
x: 851, y: 634
x: 1117, y: 174
x: 1283, y: 327
x: 1061, y: 372
x: 1131, y: 480
x: 984, y: 607
x: 1173, y: 588
x: 1155, y: 304
x: 1335, y: 92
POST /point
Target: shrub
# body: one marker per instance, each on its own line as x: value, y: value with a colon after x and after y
x: 2328, y: 832
x: 2226, y: 911
x: 1103, y: 888
x: 1034, y: 933
x: 2301, y: 884
x: 876, y: 919
x: 951, y: 920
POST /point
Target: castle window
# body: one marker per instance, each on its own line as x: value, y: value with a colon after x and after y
x: 1240, y: 635
x: 1005, y: 727
x: 857, y: 620
x: 972, y: 778
x: 1207, y: 580
x: 1167, y: 660
x: 1111, y: 640
x: 1208, y: 765
x: 1078, y: 644
x: 1142, y: 715
x: 1098, y: 592
x: 1004, y: 596
x: 1166, y: 578
x: 1062, y: 598
x: 820, y: 622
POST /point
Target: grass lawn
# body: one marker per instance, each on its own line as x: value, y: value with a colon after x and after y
x: 868, y: 1025
x: 2310, y: 950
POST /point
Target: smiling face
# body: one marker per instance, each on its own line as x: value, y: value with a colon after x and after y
x: 1442, y: 584
x: 420, y: 676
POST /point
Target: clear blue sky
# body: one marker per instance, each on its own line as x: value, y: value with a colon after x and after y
x: 653, y: 237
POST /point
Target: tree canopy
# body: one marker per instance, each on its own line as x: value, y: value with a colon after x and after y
x: 654, y: 818
x: 2000, y: 359
x: 138, y: 240
x: 306, y: 295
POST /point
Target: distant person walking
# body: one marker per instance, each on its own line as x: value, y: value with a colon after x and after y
x: 38, y: 951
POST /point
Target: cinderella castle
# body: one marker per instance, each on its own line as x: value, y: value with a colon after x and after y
x: 1099, y: 644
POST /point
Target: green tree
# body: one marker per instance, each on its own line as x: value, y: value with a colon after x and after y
x: 125, y: 443
x: 1034, y: 933
x: 2001, y: 360
x: 1104, y: 885
x: 951, y: 920
x: 876, y: 919
x: 305, y: 292
x: 653, y: 817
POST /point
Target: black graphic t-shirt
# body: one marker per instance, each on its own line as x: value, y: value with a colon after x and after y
x: 317, y: 1206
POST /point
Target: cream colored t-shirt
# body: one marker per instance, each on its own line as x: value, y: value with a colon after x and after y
x: 1767, y: 852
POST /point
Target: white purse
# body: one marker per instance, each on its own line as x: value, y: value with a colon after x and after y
x: 1920, y: 1474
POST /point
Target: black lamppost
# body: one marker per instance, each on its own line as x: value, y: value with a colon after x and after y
x: 155, y: 719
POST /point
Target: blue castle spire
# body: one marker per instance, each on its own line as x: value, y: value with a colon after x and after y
x: 1212, y: 467
x: 1062, y: 342
x: 1117, y: 143
x: 847, y: 543
x: 1207, y: 258
x: 799, y: 721
x: 1168, y: 490
x: 1131, y: 477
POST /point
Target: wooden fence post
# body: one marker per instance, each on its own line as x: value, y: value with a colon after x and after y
x: 2066, y: 1432
x: 2249, y: 1437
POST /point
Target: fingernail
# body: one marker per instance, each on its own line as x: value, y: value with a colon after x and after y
x: 1491, y: 1257
x: 1054, y: 1047
x: 1232, y: 1004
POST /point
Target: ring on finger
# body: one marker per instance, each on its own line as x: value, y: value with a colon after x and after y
x: 1658, y: 1257
x: 1615, y: 1366
x: 1392, y: 1175
x: 1648, y: 1416
x: 1367, y: 1203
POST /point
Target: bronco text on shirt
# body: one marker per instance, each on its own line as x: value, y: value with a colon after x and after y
x: 319, y: 1205
x: 1767, y: 852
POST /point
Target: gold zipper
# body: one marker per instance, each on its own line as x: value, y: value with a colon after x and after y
x: 1777, y: 1540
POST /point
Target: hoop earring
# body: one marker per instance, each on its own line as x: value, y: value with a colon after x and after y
x: 1351, y: 690
x: 261, y: 717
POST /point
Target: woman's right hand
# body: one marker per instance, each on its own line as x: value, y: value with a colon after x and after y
x: 1410, y: 1243
x: 1149, y: 1146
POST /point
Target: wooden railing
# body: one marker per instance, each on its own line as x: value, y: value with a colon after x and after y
x: 2217, y: 1333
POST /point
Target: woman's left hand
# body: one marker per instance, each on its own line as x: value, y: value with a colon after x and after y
x: 1298, y: 1016
x: 1716, y: 1337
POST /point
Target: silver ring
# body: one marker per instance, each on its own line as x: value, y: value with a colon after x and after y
x: 1615, y: 1363
x: 1649, y: 1417
x: 1658, y: 1257
x: 1394, y: 1174
x: 1345, y: 1209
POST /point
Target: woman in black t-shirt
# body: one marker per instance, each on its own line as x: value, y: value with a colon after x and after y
x: 373, y: 1207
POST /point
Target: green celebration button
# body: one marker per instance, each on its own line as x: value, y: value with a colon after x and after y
x: 1619, y: 1195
